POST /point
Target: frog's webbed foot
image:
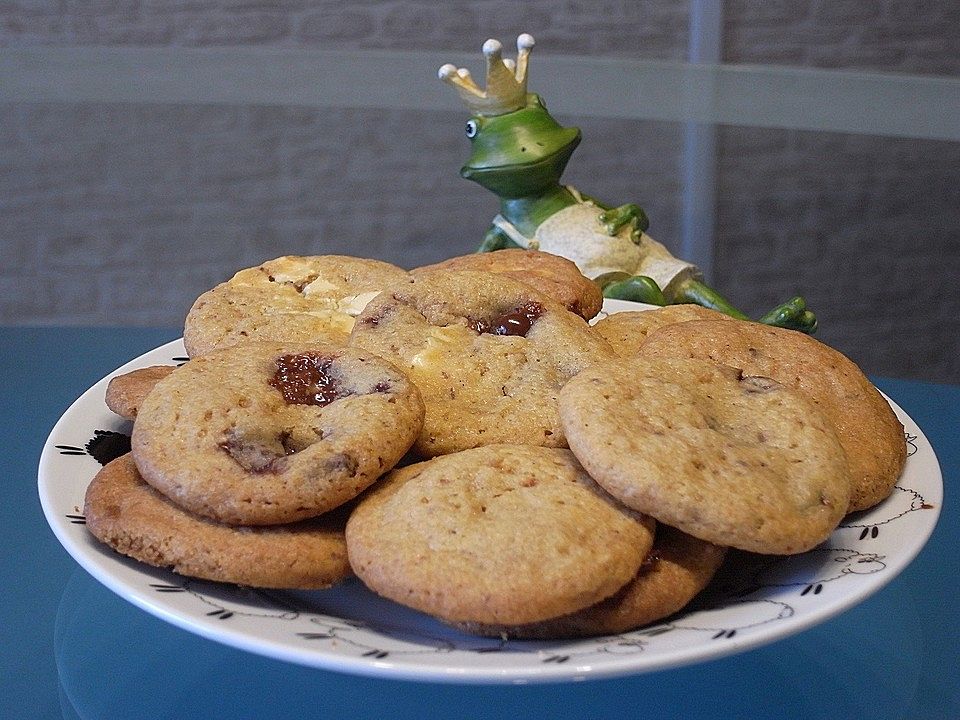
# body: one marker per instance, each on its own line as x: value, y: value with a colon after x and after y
x: 629, y: 215
x: 623, y: 286
x: 793, y: 315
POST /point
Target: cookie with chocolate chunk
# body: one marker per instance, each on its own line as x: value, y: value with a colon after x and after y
x: 869, y: 431
x: 125, y: 393
x: 128, y: 515
x: 627, y: 331
x: 678, y: 567
x: 503, y: 534
x: 488, y: 353
x: 554, y: 276
x: 736, y: 460
x: 289, y: 299
x: 266, y: 433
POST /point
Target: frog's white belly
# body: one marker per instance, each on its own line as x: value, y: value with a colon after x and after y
x: 576, y: 233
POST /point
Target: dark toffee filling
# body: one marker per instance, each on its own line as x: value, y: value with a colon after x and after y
x: 304, y: 379
x: 516, y: 322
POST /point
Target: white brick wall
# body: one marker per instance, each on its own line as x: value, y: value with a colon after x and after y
x: 122, y: 214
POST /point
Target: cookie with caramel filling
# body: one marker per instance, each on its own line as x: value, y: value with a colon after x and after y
x: 266, y: 433
x: 554, y: 276
x: 488, y: 353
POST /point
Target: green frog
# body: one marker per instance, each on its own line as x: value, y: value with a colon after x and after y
x: 519, y: 152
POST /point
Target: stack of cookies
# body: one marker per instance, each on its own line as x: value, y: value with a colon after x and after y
x: 461, y: 439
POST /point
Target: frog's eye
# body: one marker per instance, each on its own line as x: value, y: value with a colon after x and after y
x: 472, y: 128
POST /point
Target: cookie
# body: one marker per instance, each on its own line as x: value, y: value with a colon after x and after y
x: 125, y: 393
x: 732, y: 459
x: 488, y: 353
x: 288, y: 299
x: 678, y: 567
x: 626, y: 331
x: 266, y: 433
x: 128, y: 515
x: 502, y: 534
x: 868, y: 429
x: 554, y: 276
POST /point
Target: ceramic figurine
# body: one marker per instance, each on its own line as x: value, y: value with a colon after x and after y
x: 519, y: 152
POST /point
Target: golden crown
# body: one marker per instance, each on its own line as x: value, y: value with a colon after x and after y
x: 506, y: 79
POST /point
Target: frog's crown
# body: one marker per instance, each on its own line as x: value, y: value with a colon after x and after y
x: 506, y: 80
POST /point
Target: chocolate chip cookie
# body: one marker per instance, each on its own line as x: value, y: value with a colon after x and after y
x: 488, y: 353
x: 554, y: 276
x: 870, y: 433
x: 127, y: 514
x: 274, y: 432
x: 502, y: 534
x: 288, y: 299
x: 736, y: 460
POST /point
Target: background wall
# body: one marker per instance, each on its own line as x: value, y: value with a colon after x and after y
x: 117, y: 213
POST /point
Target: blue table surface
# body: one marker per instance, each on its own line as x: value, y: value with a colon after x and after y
x: 71, y: 648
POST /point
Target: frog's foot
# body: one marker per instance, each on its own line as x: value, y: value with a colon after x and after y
x: 638, y: 288
x: 629, y: 215
x: 792, y: 315
x: 495, y: 239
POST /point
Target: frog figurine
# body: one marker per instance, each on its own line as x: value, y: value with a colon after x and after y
x: 519, y: 152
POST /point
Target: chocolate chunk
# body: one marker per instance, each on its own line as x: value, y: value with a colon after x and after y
x: 304, y: 380
x: 515, y: 322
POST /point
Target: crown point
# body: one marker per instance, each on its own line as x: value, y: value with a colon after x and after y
x: 492, y: 48
x: 525, y: 41
x: 446, y: 71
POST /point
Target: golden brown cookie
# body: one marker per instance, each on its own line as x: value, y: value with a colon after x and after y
x: 125, y: 393
x: 554, y: 276
x: 735, y: 460
x: 503, y: 534
x: 125, y: 513
x: 267, y: 432
x: 488, y: 353
x: 626, y: 331
x: 869, y: 431
x: 678, y: 567
x: 288, y: 299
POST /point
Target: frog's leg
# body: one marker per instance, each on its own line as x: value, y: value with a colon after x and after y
x: 496, y: 239
x: 792, y: 314
x: 623, y: 286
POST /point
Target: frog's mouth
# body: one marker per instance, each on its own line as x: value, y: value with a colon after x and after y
x: 520, y: 178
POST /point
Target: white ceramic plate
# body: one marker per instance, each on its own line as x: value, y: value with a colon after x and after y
x: 349, y: 629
